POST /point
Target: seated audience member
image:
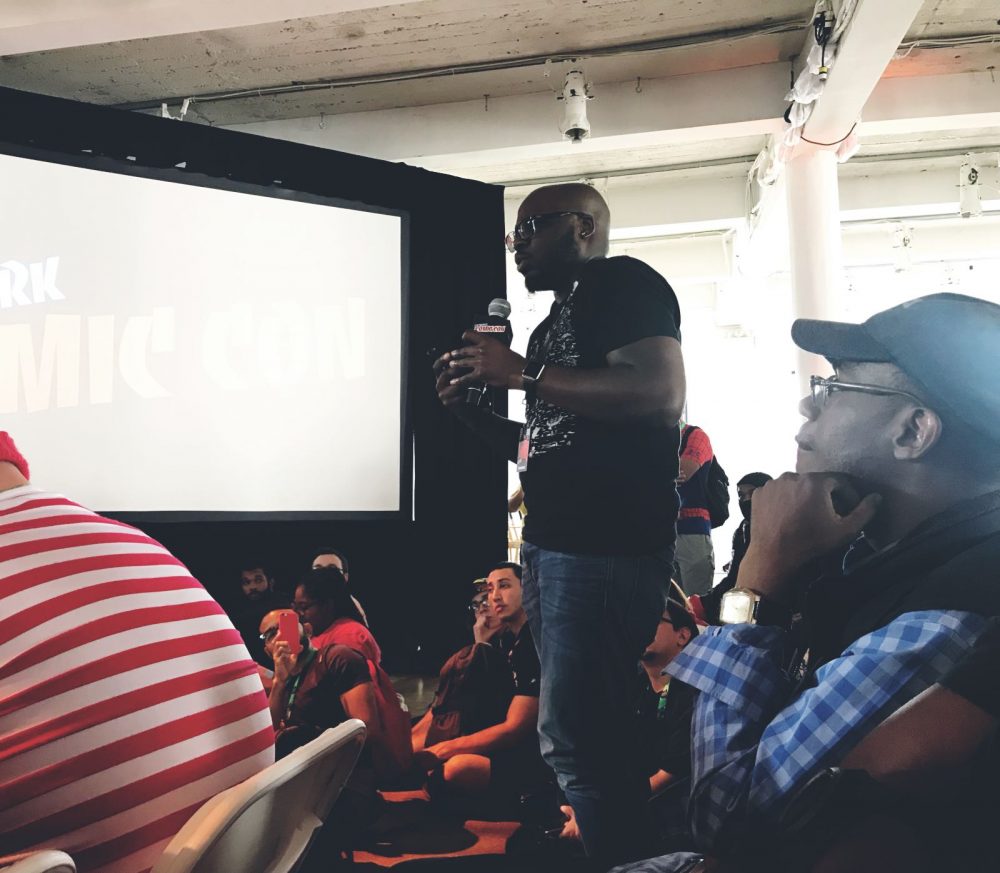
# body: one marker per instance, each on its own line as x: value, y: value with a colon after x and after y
x: 327, y: 556
x: 259, y: 598
x: 662, y: 707
x: 502, y: 758
x: 945, y: 727
x: 329, y: 614
x: 902, y: 444
x: 475, y: 685
x: 707, y: 605
x: 127, y: 697
x: 316, y: 689
x: 324, y: 604
x: 663, y: 717
x: 913, y: 761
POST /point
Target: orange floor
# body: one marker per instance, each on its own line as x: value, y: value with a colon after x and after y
x: 412, y: 829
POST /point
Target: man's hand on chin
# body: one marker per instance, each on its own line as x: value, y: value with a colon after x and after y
x: 796, y: 518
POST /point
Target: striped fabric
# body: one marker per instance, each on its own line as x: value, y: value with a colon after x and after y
x: 127, y: 699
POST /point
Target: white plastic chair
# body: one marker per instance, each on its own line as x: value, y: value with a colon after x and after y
x: 42, y: 862
x: 266, y: 823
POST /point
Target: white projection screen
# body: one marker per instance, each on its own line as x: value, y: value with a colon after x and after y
x: 177, y: 350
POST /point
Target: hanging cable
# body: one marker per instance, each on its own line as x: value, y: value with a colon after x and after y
x: 823, y: 25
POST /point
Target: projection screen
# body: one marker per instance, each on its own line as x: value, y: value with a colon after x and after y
x: 171, y: 349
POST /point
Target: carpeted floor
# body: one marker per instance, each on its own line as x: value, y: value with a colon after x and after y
x: 419, y: 837
x: 414, y: 835
x: 412, y: 829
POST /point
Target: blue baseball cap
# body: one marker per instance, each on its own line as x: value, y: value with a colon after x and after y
x: 949, y: 344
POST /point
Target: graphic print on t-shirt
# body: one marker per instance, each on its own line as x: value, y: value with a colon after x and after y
x: 551, y: 427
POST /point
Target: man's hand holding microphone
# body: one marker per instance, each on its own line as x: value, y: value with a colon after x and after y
x: 485, y: 360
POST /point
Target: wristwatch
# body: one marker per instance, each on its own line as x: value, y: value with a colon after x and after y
x: 531, y: 375
x: 743, y: 606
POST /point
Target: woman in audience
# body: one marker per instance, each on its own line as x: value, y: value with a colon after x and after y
x: 326, y: 607
x: 331, y: 618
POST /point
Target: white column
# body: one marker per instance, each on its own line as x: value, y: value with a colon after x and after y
x: 817, y: 260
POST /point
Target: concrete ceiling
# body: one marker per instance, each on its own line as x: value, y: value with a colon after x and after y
x: 404, y: 39
x: 426, y: 52
x: 409, y: 38
x: 434, y: 35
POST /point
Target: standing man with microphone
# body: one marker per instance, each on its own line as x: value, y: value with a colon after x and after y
x: 604, y: 388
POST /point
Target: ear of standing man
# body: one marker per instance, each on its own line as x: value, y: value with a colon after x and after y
x: 604, y: 386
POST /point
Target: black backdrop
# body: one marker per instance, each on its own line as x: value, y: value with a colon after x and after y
x: 412, y: 576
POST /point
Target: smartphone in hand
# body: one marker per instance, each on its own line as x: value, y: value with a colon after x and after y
x: 288, y: 631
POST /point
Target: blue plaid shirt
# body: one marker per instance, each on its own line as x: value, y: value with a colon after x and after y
x: 754, y: 743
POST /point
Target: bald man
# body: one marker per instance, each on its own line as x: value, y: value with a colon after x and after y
x: 604, y: 387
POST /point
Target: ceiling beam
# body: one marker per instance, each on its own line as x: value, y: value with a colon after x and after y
x: 681, y: 110
x: 673, y: 121
x: 867, y: 46
x: 44, y: 25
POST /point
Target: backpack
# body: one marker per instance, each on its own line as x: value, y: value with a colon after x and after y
x: 476, y: 687
x: 395, y: 719
x: 716, y: 485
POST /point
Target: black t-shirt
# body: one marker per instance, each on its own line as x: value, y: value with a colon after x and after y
x: 523, y: 659
x: 598, y: 487
x: 334, y: 671
x: 663, y: 723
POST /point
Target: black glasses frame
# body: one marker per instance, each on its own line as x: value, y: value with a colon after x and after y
x: 820, y: 389
x: 525, y: 230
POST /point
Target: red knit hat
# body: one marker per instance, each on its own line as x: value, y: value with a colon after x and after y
x: 9, y: 452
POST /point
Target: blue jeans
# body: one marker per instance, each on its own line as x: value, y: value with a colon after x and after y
x: 591, y: 619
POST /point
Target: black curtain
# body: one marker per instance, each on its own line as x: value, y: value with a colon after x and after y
x: 412, y: 576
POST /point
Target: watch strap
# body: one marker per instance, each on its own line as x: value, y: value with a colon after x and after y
x: 767, y: 612
x: 531, y: 375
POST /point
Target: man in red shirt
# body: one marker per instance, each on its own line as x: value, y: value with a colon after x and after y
x: 694, y: 560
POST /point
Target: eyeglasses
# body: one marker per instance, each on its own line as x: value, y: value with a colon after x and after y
x: 525, y: 230
x: 478, y: 606
x: 821, y: 388
x: 269, y: 634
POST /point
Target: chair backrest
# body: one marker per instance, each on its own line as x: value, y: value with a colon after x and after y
x: 266, y: 823
x: 42, y: 862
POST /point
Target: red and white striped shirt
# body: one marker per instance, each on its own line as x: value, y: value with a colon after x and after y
x: 127, y: 698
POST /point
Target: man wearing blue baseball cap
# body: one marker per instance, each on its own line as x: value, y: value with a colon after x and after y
x: 898, y: 471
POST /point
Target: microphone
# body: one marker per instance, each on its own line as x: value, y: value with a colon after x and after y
x: 498, y: 326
